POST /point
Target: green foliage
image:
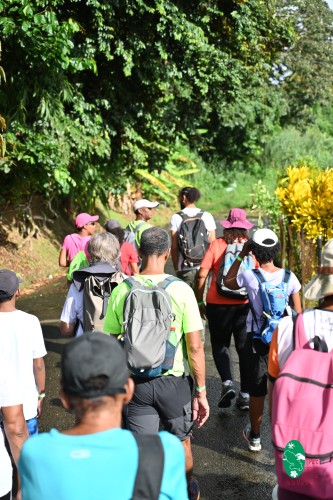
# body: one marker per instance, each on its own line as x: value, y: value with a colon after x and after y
x: 266, y: 205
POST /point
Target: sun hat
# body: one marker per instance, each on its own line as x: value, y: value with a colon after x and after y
x: 265, y: 238
x: 111, y: 224
x: 236, y: 219
x: 83, y: 219
x: 93, y: 355
x: 9, y: 283
x: 144, y: 204
x: 322, y: 284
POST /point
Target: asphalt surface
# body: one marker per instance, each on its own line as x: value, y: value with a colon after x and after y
x: 222, y: 464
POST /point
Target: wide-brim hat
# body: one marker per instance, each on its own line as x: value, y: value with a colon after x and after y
x: 322, y: 284
x: 236, y: 219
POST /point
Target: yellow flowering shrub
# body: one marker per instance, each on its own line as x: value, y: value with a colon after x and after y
x: 306, y: 197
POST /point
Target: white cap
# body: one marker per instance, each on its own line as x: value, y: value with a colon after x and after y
x: 265, y: 238
x: 144, y: 204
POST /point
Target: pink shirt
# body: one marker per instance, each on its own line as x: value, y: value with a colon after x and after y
x: 73, y: 243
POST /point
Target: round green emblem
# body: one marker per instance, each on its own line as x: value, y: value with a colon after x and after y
x: 294, y: 459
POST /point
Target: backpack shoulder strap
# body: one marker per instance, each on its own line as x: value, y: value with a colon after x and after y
x: 150, y: 468
x: 258, y: 275
x: 138, y: 227
x: 182, y: 215
x: 287, y: 275
x: 167, y: 281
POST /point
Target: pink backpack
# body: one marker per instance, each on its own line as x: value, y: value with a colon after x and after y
x: 302, y: 410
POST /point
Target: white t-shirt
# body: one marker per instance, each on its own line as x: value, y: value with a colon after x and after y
x: 176, y: 221
x: 248, y: 279
x: 316, y: 322
x: 10, y: 395
x: 21, y: 333
x: 73, y: 308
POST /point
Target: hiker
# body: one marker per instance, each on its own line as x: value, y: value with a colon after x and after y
x: 191, y: 232
x: 88, y: 295
x: 299, y: 390
x: 163, y: 390
x: 96, y: 458
x: 11, y: 385
x: 143, y: 213
x: 24, y: 333
x: 129, y: 258
x: 227, y: 310
x: 75, y: 242
x: 265, y: 246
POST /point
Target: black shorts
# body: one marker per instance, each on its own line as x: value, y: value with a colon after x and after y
x: 258, y: 364
x: 166, y: 400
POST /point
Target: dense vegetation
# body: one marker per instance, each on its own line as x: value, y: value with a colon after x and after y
x: 95, y: 92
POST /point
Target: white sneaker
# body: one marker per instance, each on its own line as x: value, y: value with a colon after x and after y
x: 254, y: 444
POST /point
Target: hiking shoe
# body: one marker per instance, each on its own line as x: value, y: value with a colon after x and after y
x: 243, y: 402
x: 193, y: 490
x: 227, y: 394
x: 254, y: 444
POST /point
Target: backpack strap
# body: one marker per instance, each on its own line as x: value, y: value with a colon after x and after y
x: 138, y: 227
x: 150, y: 468
x: 167, y: 281
x: 258, y: 275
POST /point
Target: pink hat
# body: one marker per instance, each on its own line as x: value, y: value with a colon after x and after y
x: 83, y: 219
x: 236, y: 219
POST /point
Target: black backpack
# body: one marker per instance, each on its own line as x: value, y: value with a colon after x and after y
x: 192, y: 239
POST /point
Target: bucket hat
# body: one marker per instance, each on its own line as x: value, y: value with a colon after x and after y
x: 322, y: 284
x: 236, y: 219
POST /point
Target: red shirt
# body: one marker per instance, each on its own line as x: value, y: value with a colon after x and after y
x: 128, y: 254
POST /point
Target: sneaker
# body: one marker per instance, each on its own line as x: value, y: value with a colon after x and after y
x: 243, y: 402
x: 227, y: 394
x: 254, y: 444
x: 193, y: 490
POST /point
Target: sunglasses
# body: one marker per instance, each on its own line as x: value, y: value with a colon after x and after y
x: 91, y: 224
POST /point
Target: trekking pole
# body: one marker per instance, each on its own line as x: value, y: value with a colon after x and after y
x: 319, y: 248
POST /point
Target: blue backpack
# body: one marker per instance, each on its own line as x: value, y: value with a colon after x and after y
x: 275, y: 301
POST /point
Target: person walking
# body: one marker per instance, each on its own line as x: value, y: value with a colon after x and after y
x: 129, y: 258
x: 227, y: 310
x: 75, y: 242
x: 167, y: 399
x: 265, y: 246
x: 95, y: 458
x: 143, y: 210
x: 191, y: 232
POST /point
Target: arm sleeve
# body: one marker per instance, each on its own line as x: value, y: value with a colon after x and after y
x: 209, y: 222
x: 38, y: 348
x: 69, y: 312
x: 208, y: 260
x: 175, y: 222
x: 114, y: 315
x: 191, y: 315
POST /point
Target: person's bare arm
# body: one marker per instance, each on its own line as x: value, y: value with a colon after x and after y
x: 134, y: 267
x: 67, y: 329
x: 297, y: 302
x: 39, y: 374
x: 231, y: 278
x: 200, y: 288
x: 212, y: 236
x: 15, y: 428
x: 174, y: 249
x: 196, y: 356
x: 63, y: 258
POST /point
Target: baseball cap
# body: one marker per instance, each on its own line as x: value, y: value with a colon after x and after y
x: 236, y: 219
x: 111, y: 224
x: 93, y: 355
x: 144, y: 204
x: 9, y: 283
x: 83, y: 219
x: 265, y: 238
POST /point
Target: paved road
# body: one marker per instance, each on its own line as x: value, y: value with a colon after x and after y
x: 223, y: 466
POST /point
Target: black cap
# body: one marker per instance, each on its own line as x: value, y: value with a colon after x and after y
x: 9, y: 283
x: 93, y: 355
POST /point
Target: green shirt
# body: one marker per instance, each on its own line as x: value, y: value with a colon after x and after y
x: 184, y: 306
x: 131, y: 227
